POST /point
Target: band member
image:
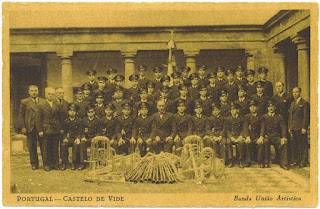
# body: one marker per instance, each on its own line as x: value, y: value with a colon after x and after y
x: 273, y: 128
x: 134, y: 90
x: 99, y: 106
x: 28, y: 111
x: 205, y: 100
x: 142, y: 83
x: 283, y: 101
x: 174, y: 91
x: 111, y: 74
x: 88, y: 96
x: 203, y: 80
x: 164, y: 96
x: 106, y: 91
x: 151, y: 91
x: 213, y: 89
x: 92, y: 79
x: 252, y: 130
x: 119, y: 82
x: 230, y: 86
x: 143, y: 92
x: 268, y: 87
x: 251, y: 85
x: 185, y: 76
x: 193, y: 89
x: 188, y: 101
x: 215, y: 129
x: 184, y: 125
x: 110, y: 84
x: 157, y: 74
x: 90, y: 128
x: 224, y: 103
x: 235, y: 136
x: 299, y: 119
x: 261, y: 98
x: 143, y: 128
x: 221, y: 81
x: 239, y: 80
x: 49, y: 127
x: 63, y: 103
x: 71, y: 137
x: 81, y: 103
x: 163, y: 129
x: 199, y: 121
x: 243, y: 100
x: 118, y: 100
x: 109, y: 126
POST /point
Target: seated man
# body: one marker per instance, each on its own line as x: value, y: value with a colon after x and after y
x: 199, y: 122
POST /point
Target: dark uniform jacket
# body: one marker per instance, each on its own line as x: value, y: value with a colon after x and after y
x: 134, y: 94
x: 189, y: 105
x: 232, y: 90
x: 283, y: 103
x: 193, y: 92
x: 186, y: 82
x: 49, y: 118
x: 152, y: 108
x: 143, y: 127
x: 206, y: 106
x: 213, y: 93
x: 234, y: 126
x: 92, y: 127
x: 199, y: 125
x: 94, y: 85
x: 152, y: 98
x: 164, y: 127
x: 273, y: 126
x: 244, y: 106
x: 109, y: 127
x: 262, y: 103
x: 28, y: 113
x: 268, y: 89
x: 252, y: 125
x: 238, y: 82
x: 142, y: 82
x: 221, y: 83
x: 107, y: 94
x: 89, y: 98
x: 169, y: 105
x: 215, y: 126
x: 174, y: 92
x: 117, y: 104
x: 64, y: 108
x: 251, y: 89
x: 82, y: 105
x: 157, y: 83
x: 299, y: 115
x: 184, y: 125
x: 203, y: 81
x: 225, y: 109
x: 100, y: 111
x: 126, y: 127
x: 72, y: 129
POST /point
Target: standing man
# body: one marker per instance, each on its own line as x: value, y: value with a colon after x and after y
x: 230, y: 86
x: 28, y: 111
x: 185, y: 76
x: 239, y: 76
x: 49, y: 127
x: 251, y: 85
x: 283, y: 101
x: 63, y: 103
x: 203, y: 80
x: 92, y: 79
x: 221, y: 81
x: 119, y: 82
x: 268, y: 87
x: 157, y: 74
x: 142, y: 82
x: 299, y: 119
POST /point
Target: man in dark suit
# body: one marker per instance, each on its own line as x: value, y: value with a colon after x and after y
x: 99, y: 105
x: 28, y: 111
x: 143, y: 92
x: 185, y: 76
x: 224, y: 103
x: 118, y: 100
x: 63, y: 103
x: 163, y: 129
x: 268, y: 87
x: 299, y: 119
x: 205, y: 100
x: 188, y: 101
x: 283, y: 101
x: 274, y: 130
x: 92, y: 79
x: 199, y: 121
x: 49, y: 127
x: 119, y: 82
x: 134, y: 89
x: 142, y: 82
x: 164, y: 96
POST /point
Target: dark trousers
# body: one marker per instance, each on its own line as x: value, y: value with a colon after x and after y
x: 50, y: 148
x: 83, y: 146
x: 32, y: 138
x: 142, y: 147
x: 282, y: 150
x: 162, y: 145
x: 241, y: 148
x: 65, y: 152
x: 219, y: 147
x: 299, y: 147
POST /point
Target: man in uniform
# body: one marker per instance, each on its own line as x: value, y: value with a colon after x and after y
x: 111, y: 74
x: 110, y: 84
x: 203, y: 80
x: 185, y: 76
x: 142, y: 83
x: 49, y: 127
x: 239, y: 76
x: 151, y: 91
x: 273, y: 128
x: 143, y: 92
x: 188, y: 101
x: 221, y: 81
x: 28, y: 111
x: 224, y: 103
x: 213, y: 89
x: 99, y: 106
x: 92, y: 79
x: 261, y: 98
x: 119, y: 82
x: 230, y: 86
x: 299, y: 119
x: 134, y: 90
x: 164, y: 96
x: 157, y: 76
x: 268, y: 87
x: 118, y: 100
x: 205, y: 100
x: 193, y: 89
x: 174, y: 91
x: 251, y: 85
x: 199, y: 121
x: 243, y: 100
x: 81, y: 103
x: 108, y: 93
x: 88, y: 95
x: 163, y: 129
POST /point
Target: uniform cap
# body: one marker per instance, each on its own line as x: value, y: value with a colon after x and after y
x: 164, y: 89
x: 253, y: 103
x: 72, y: 106
x: 77, y: 90
x: 263, y: 70
x: 91, y: 106
x: 143, y: 105
x: 216, y: 105
x: 223, y: 92
x: 110, y: 106
x: 204, y: 67
x: 143, y: 90
x: 197, y: 104
x: 102, y: 78
x: 183, y: 69
x: 142, y: 67
x: 176, y: 75
x: 211, y: 75
x: 260, y: 84
x: 235, y: 105
x: 242, y: 87
x: 151, y: 84
x: 182, y: 86
x: 133, y: 77
x: 99, y: 94
x: 181, y: 101
x: 112, y: 71
x: 220, y: 68
x: 271, y: 102
x: 202, y: 87
x: 193, y: 76
x: 118, y: 88
x: 91, y: 72
x: 157, y: 69
x: 230, y: 71
x: 250, y: 72
x: 165, y: 78
x: 86, y: 86
x: 126, y: 105
x: 119, y: 78
x: 239, y: 68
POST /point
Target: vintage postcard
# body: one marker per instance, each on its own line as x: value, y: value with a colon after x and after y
x: 160, y: 104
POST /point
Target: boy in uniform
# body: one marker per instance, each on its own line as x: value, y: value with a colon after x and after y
x: 118, y: 100
x: 188, y: 101
x: 202, y: 75
x: 151, y: 91
x: 251, y: 85
x: 224, y: 103
x: 157, y: 76
x: 205, y: 100
x: 134, y: 90
x: 81, y: 103
x: 268, y: 87
x: 184, y: 125
x: 243, y: 100
x: 174, y: 91
x: 142, y: 82
x: 215, y: 129
x: 261, y: 98
x: 230, y: 86
x: 213, y: 89
x: 239, y: 76
x: 92, y: 79
x: 193, y: 89
x: 127, y: 133
x: 111, y: 74
x: 87, y: 92
x: 99, y: 106
x: 221, y: 81
x: 164, y: 96
x: 102, y: 88
x: 143, y: 92
x: 119, y: 82
x: 71, y: 137
x: 199, y: 122
x: 185, y: 76
x: 235, y: 136
x: 109, y: 126
x: 90, y: 129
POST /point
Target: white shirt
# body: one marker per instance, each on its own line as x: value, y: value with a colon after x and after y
x: 271, y: 114
x: 281, y: 94
x: 241, y: 99
x: 298, y: 100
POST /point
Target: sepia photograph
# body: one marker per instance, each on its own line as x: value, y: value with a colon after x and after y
x: 160, y: 104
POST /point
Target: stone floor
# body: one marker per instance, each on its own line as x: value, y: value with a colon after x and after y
x: 251, y: 179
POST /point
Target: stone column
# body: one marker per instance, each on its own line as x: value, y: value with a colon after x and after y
x: 66, y: 73
x: 129, y: 67
x: 303, y: 66
x: 250, y: 59
x: 191, y: 60
x: 280, y: 63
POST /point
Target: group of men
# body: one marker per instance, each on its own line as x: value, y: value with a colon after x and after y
x: 223, y: 107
